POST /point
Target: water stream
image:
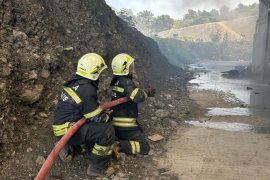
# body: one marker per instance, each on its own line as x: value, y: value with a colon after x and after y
x: 253, y: 93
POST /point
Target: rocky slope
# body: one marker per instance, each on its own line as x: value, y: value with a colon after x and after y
x: 40, y: 43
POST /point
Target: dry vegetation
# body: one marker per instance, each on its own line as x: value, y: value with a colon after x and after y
x: 238, y: 29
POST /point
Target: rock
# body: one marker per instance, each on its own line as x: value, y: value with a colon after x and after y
x: 159, y: 105
x: 30, y: 96
x: 6, y: 71
x: 19, y: 35
x: 155, y: 137
x: 154, y: 118
x: 59, y: 49
x: 4, y: 60
x: 168, y: 96
x: 40, y: 160
x: 13, y: 153
x: 29, y: 150
x: 93, y: 34
x: 173, y: 123
x: 43, y: 115
x: 162, y: 113
x: 3, y: 86
x: 69, y: 48
x: 33, y: 75
x: 123, y: 157
x: 45, y: 73
x: 47, y: 58
x: 249, y: 88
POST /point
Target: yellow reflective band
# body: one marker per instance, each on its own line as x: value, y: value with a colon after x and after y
x: 134, y: 93
x: 133, y: 148
x: 118, y: 89
x: 127, y: 120
x: 145, y: 95
x: 93, y: 113
x: 138, y: 147
x: 102, y: 150
x: 82, y: 72
x: 123, y: 124
x: 62, y: 129
x: 73, y: 95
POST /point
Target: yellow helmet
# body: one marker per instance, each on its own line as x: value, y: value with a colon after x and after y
x: 90, y: 66
x: 121, y: 64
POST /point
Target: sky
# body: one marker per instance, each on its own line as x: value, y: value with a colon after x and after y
x: 174, y: 8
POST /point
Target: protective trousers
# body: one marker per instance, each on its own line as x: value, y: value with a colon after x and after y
x: 100, y: 136
x: 132, y: 141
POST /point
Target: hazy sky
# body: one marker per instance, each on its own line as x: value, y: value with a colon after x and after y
x: 175, y: 8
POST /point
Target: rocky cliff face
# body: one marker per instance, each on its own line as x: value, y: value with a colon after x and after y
x: 40, y: 43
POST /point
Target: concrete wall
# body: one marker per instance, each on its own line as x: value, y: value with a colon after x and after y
x: 261, y: 49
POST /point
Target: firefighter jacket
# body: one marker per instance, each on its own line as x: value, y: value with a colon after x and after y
x: 78, y: 99
x: 125, y: 115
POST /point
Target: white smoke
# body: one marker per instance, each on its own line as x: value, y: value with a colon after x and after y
x: 175, y: 8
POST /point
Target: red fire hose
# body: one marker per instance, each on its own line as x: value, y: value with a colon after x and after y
x: 59, y: 146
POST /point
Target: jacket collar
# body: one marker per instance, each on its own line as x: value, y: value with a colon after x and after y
x: 81, y: 80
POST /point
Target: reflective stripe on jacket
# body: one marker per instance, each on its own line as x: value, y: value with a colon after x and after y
x: 77, y: 100
x: 125, y: 115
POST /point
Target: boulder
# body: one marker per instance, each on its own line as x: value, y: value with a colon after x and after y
x: 162, y: 113
x: 30, y: 96
x: 45, y: 73
x: 159, y: 104
x: 33, y: 75
x: 40, y: 160
x: 19, y: 35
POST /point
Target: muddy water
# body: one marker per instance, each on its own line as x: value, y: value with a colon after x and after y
x: 255, y: 94
x: 209, y: 77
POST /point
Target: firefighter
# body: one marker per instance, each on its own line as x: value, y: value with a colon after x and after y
x: 127, y: 129
x: 79, y: 99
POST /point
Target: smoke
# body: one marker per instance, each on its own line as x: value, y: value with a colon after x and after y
x: 175, y: 8
x: 177, y: 5
x: 205, y: 3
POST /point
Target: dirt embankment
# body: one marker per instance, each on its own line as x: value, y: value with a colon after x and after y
x: 40, y: 43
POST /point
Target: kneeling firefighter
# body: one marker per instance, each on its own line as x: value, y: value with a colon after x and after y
x: 79, y: 99
x: 127, y: 129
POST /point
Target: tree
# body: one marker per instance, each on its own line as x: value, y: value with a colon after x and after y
x: 191, y: 14
x: 216, y: 37
x: 162, y: 23
x: 128, y: 16
x: 224, y: 12
x: 144, y: 21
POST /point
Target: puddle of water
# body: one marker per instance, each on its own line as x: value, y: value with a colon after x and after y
x: 233, y: 127
x: 229, y: 112
x: 257, y: 96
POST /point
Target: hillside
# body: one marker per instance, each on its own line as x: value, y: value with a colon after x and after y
x: 238, y: 29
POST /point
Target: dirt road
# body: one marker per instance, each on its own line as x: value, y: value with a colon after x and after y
x: 208, y: 153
